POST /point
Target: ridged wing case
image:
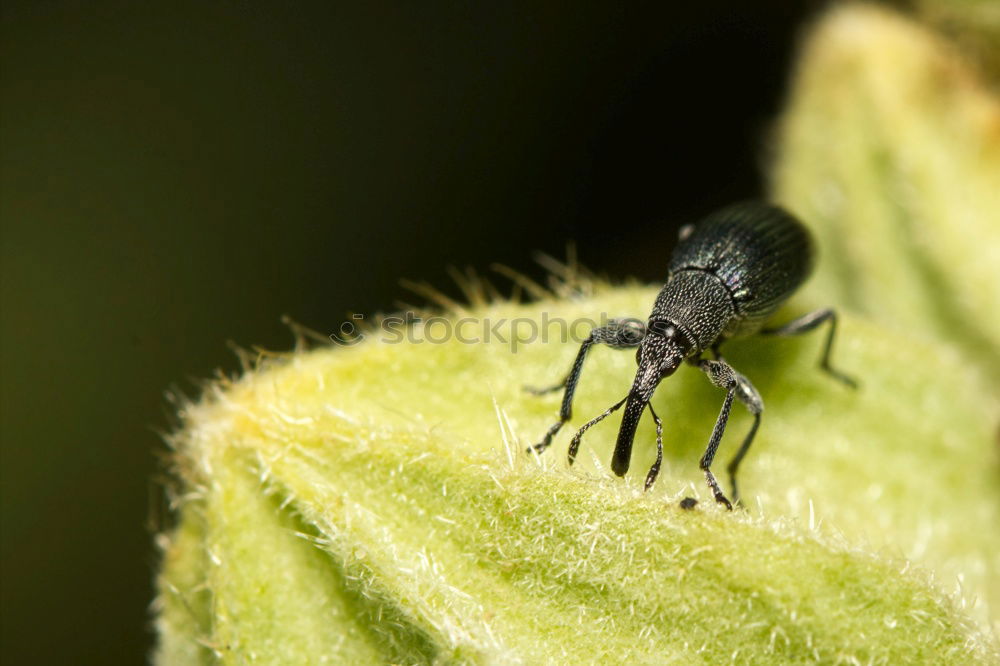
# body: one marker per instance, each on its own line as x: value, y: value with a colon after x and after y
x: 759, y: 252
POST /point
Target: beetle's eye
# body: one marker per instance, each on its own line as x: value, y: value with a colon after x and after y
x: 661, y: 327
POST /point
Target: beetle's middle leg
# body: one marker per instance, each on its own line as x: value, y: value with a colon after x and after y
x: 618, y: 334
x: 737, y: 386
x: 808, y: 322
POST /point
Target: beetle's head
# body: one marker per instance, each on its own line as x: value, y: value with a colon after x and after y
x: 658, y: 357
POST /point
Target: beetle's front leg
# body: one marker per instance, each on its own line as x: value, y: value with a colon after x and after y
x: 748, y: 395
x: 737, y: 386
x: 618, y: 334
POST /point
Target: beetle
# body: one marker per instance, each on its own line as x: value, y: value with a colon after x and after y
x: 728, y: 274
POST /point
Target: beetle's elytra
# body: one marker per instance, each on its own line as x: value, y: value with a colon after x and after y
x: 727, y: 276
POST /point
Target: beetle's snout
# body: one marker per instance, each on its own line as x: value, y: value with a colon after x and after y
x: 645, y: 383
x: 658, y: 358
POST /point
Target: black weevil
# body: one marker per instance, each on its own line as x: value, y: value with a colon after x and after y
x: 727, y: 276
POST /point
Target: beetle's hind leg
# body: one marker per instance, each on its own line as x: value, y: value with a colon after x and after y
x: 618, y: 334
x: 808, y: 322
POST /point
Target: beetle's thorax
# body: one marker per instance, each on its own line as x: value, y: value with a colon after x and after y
x: 698, y: 305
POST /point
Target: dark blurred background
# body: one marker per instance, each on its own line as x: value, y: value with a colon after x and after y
x: 178, y: 176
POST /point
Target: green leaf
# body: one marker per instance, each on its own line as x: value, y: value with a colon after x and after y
x: 375, y: 504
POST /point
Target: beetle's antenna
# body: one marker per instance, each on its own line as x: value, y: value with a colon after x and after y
x: 574, y: 445
x: 654, y: 471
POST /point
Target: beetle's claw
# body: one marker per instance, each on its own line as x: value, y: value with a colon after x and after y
x: 722, y: 499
